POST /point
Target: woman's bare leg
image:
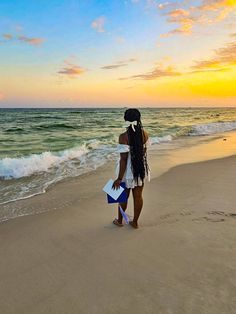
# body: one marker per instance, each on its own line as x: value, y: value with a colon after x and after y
x: 138, y: 204
x: 123, y: 206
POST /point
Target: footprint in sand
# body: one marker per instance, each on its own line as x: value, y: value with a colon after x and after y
x: 186, y: 212
x: 168, y: 218
x: 215, y: 213
x: 222, y: 213
x: 208, y: 219
x: 171, y: 218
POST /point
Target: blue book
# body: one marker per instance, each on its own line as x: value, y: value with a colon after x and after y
x: 121, y: 199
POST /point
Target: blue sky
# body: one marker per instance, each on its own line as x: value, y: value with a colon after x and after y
x: 75, y: 48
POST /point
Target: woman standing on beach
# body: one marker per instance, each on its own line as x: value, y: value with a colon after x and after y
x: 132, y: 167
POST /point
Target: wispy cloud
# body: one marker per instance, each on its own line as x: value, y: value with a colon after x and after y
x: 205, y: 70
x: 164, y: 5
x: 217, y: 4
x: 182, y: 17
x: 224, y: 57
x: 118, y: 64
x: 157, y: 72
x: 7, y: 36
x: 186, y: 16
x: 171, y: 5
x: 35, y: 41
x: 221, y: 7
x: 223, y: 60
x: 98, y: 24
x: 71, y: 70
x: 113, y: 66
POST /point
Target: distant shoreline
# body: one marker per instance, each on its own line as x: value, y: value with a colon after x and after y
x: 122, y: 107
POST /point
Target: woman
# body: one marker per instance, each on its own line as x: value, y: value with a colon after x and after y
x: 132, y: 167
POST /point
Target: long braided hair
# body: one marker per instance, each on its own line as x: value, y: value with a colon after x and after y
x: 138, y: 150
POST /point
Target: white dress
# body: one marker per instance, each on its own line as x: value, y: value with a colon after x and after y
x: 128, y: 177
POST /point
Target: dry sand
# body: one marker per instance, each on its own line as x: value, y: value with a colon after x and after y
x: 181, y: 260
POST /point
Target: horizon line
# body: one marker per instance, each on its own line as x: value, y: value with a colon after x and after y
x: 148, y: 107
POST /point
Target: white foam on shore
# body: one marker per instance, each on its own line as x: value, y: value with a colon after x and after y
x: 25, y: 166
x: 197, y: 130
x: 160, y: 139
x: 212, y: 128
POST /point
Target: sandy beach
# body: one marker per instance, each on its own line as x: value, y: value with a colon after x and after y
x: 69, y: 258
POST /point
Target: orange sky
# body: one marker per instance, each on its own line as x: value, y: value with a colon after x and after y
x: 145, y: 53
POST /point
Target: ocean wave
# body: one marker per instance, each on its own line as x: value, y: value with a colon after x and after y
x: 14, y: 130
x: 25, y: 166
x: 161, y: 139
x: 15, y: 168
x: 196, y: 130
x: 55, y: 126
x: 212, y: 128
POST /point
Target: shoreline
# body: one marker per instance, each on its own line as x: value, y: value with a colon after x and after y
x: 162, y: 157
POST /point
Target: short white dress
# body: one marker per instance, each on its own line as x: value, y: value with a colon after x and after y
x: 128, y: 177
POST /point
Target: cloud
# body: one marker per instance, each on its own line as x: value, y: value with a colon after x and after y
x: 184, y: 29
x: 113, y: 66
x: 158, y: 72
x: 217, y: 4
x: 118, y: 64
x: 208, y: 71
x: 178, y: 13
x: 172, y: 5
x: 71, y: 70
x: 224, y: 57
x: 31, y: 41
x: 221, y: 7
x: 223, y: 60
x: 206, y: 13
x: 181, y: 17
x: 162, y: 6
x: 7, y: 36
x: 98, y: 24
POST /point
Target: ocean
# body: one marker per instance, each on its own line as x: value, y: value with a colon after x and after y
x: 39, y: 147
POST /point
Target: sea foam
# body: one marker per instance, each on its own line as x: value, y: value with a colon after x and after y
x: 25, y: 166
x: 212, y: 128
x: 160, y: 139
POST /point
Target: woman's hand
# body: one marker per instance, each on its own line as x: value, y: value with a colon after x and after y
x: 116, y: 184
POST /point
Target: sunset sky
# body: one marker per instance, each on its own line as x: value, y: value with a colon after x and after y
x: 78, y: 53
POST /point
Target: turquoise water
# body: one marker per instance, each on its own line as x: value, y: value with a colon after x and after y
x: 39, y: 147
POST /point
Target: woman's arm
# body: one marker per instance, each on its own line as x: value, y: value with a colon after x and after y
x: 123, y: 163
x: 145, y: 137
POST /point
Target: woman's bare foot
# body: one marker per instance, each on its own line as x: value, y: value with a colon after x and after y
x: 133, y: 224
x: 117, y: 223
